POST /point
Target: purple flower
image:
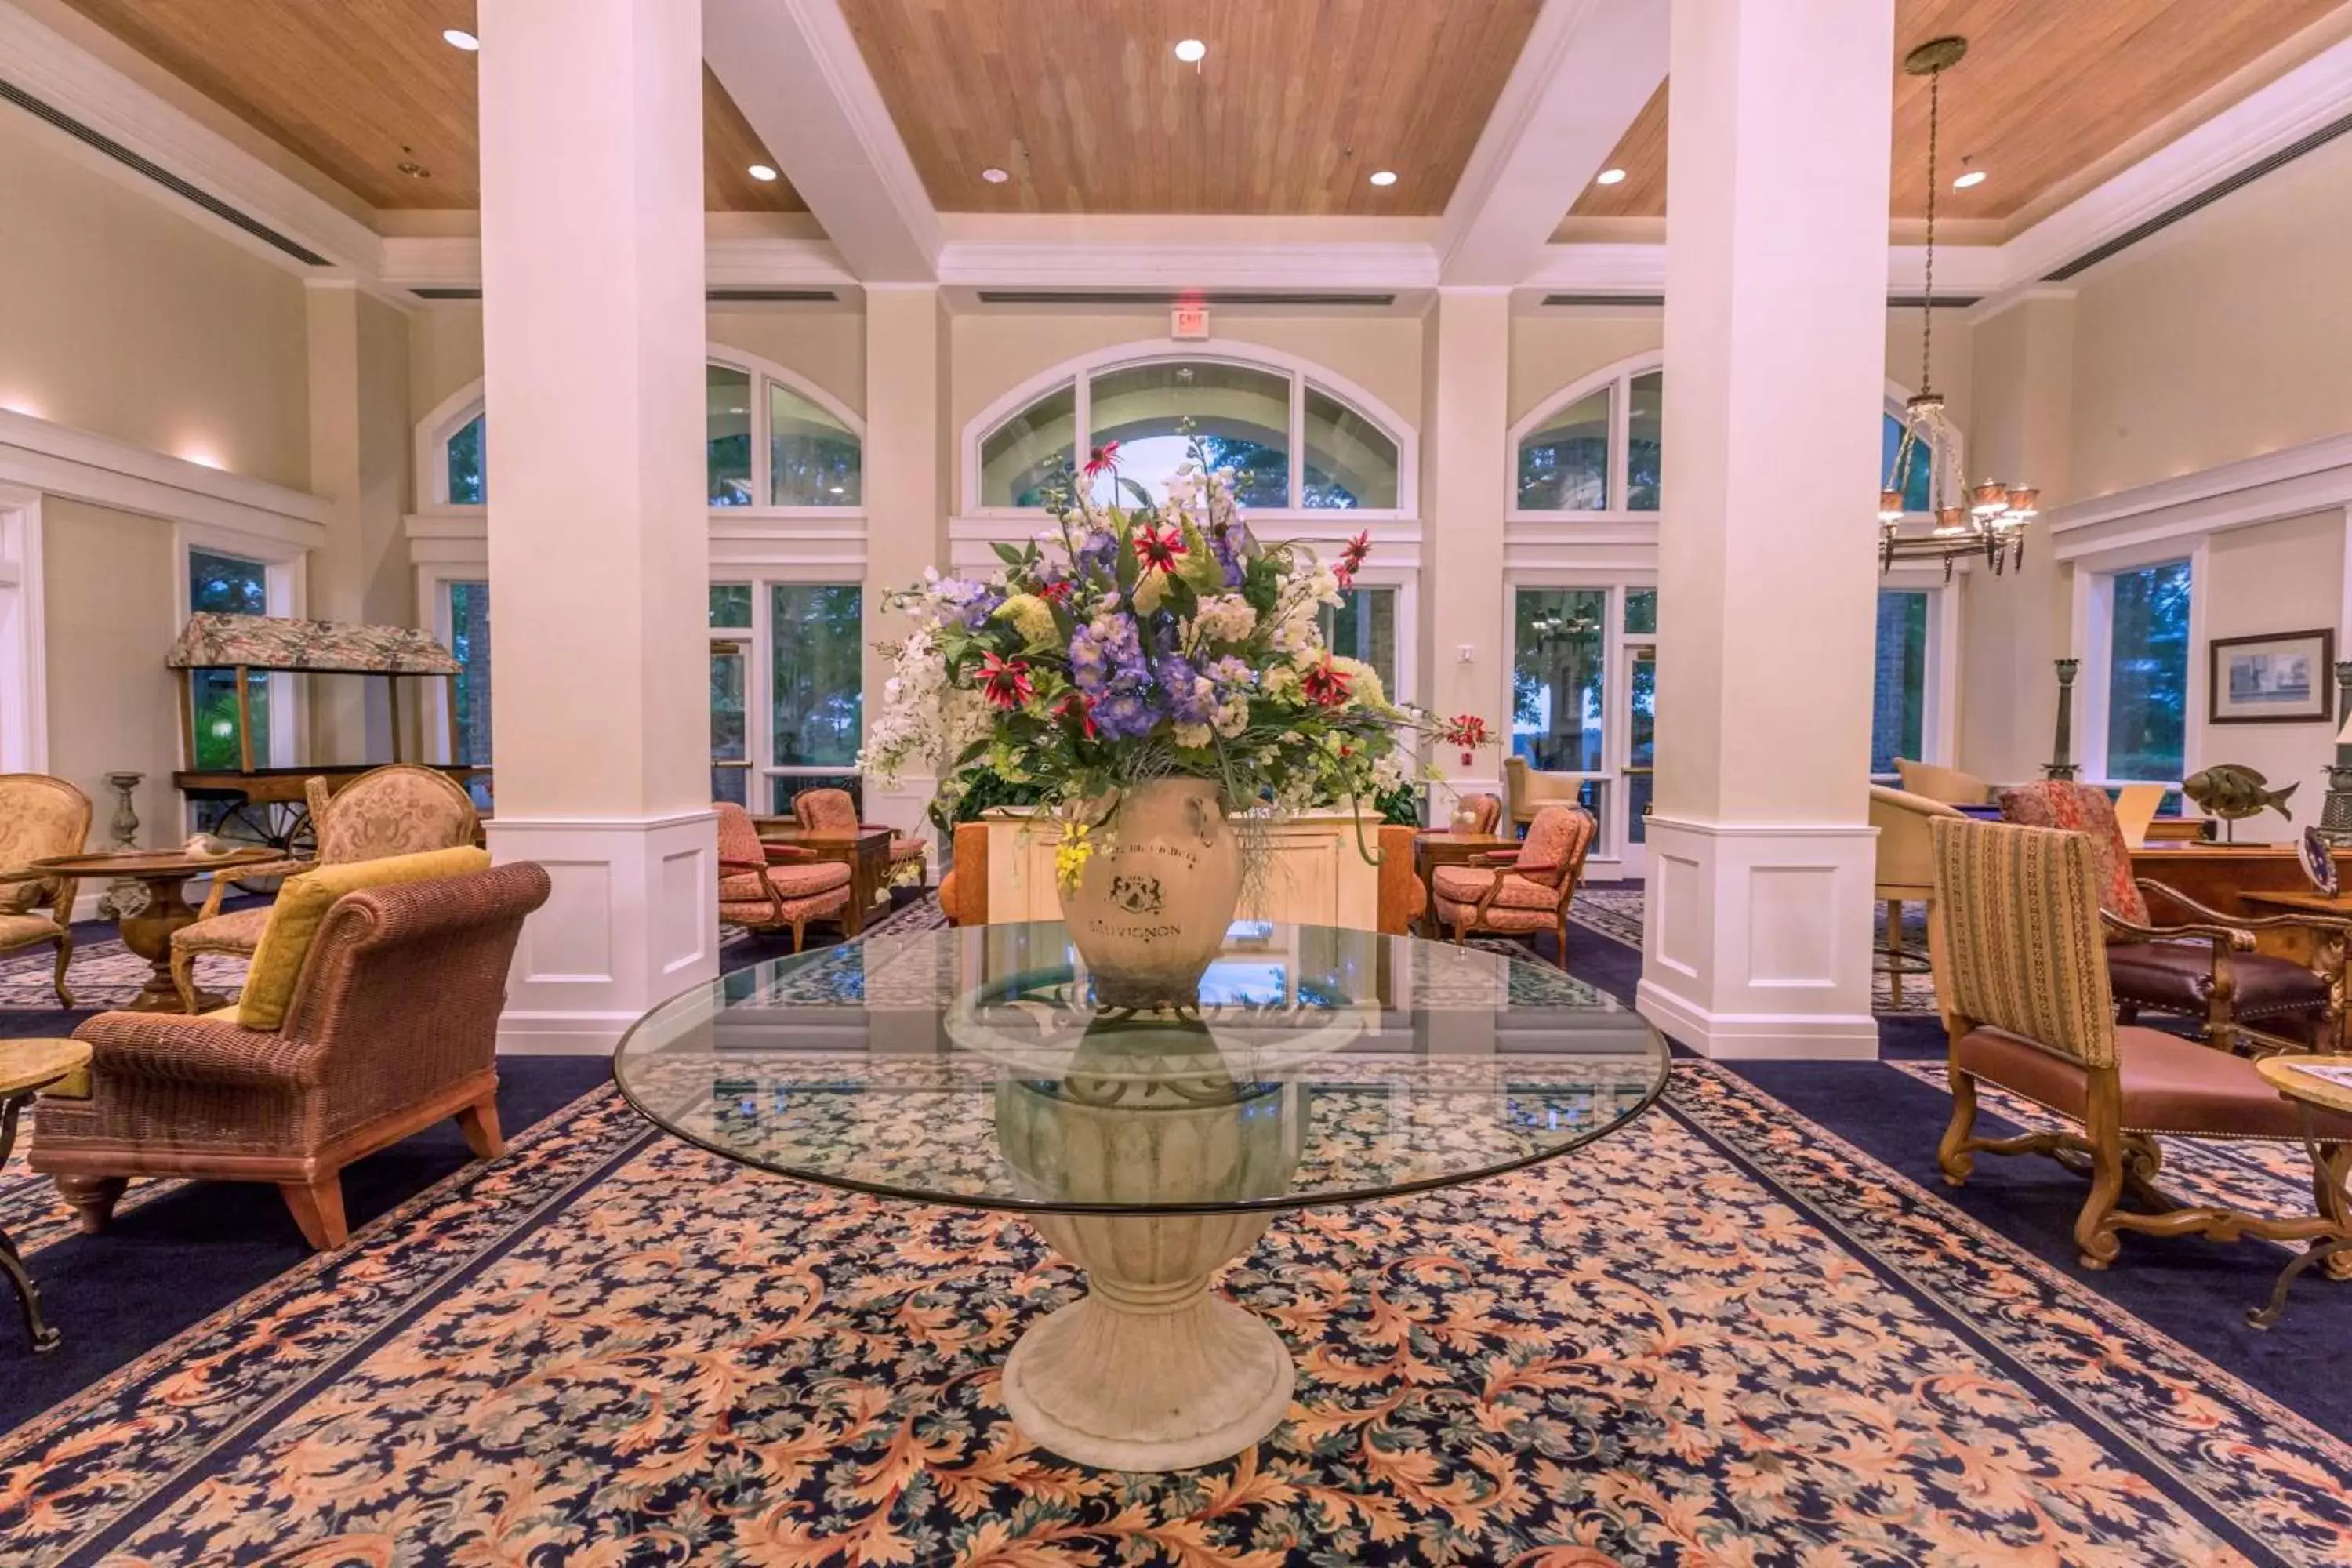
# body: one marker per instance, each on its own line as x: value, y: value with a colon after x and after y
x: 1191, y: 699
x: 1096, y: 552
x: 1230, y: 674
x: 1107, y: 651
x: 1127, y: 714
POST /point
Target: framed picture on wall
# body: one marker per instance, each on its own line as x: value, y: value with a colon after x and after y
x: 2287, y: 677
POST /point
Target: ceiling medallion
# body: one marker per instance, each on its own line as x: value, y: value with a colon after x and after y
x: 1987, y: 518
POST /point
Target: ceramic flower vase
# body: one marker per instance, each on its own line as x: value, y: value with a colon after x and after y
x: 1150, y: 911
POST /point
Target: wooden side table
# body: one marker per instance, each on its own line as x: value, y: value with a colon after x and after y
x: 867, y: 853
x: 1443, y: 847
x: 27, y: 1068
x: 148, y: 931
x: 2328, y: 1167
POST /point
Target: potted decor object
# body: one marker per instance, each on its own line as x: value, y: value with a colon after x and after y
x: 1159, y: 677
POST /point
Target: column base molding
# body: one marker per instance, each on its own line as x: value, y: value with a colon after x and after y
x: 631, y: 919
x: 1756, y: 939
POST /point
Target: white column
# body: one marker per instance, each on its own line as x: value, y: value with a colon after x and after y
x: 593, y: 347
x: 1757, y: 934
x: 907, y: 469
x: 1465, y: 493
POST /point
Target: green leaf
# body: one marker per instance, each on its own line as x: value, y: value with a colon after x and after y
x: 1012, y: 555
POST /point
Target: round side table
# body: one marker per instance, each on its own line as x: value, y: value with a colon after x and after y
x: 27, y: 1068
x: 2312, y: 1095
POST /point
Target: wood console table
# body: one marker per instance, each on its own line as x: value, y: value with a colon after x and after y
x: 2220, y: 875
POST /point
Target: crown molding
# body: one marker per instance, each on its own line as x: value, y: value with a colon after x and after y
x: 80, y: 464
x: 1320, y: 265
x: 2312, y: 477
x: 68, y: 78
x: 454, y: 261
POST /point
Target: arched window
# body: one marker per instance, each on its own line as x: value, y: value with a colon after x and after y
x: 1296, y: 443
x: 811, y: 456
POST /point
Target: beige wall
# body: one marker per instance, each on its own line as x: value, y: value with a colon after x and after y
x: 122, y: 317
x: 2280, y: 577
x: 108, y: 611
x: 2224, y: 337
x: 445, y: 353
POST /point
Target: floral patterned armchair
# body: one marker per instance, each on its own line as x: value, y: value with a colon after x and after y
x: 1521, y: 890
x: 402, y: 809
x: 40, y: 816
x: 833, y: 811
x: 774, y: 887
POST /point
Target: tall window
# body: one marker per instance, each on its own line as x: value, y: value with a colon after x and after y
x: 1364, y: 629
x: 228, y: 585
x: 816, y: 691
x: 1243, y: 415
x: 2148, y: 672
x: 1557, y: 689
x: 764, y: 444
x: 1564, y: 466
x: 1898, y: 711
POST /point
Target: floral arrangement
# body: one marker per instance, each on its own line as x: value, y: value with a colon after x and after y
x: 1128, y: 644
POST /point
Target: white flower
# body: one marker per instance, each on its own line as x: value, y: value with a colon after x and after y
x: 1195, y: 735
x: 1226, y: 618
x: 1363, y: 681
x: 1232, y: 716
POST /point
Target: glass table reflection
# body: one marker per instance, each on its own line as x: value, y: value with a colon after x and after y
x: 973, y: 1068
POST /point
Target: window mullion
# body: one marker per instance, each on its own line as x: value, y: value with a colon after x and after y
x: 1298, y: 442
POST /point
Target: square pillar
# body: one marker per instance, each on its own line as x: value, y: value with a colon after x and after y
x: 599, y: 546
x: 1758, y: 936
x: 1465, y: 496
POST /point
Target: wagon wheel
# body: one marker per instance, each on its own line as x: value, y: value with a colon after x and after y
x: 282, y: 826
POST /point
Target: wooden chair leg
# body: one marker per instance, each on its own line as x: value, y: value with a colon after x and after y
x: 1953, y: 1154
x: 183, y: 978
x: 318, y: 1208
x: 93, y: 1199
x: 1563, y: 945
x: 1895, y: 953
x: 479, y: 1123
x: 2095, y: 1229
x: 65, y: 962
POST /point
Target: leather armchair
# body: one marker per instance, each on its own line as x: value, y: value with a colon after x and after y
x: 1905, y: 865
x: 392, y: 1025
x: 1531, y: 791
x: 1949, y: 785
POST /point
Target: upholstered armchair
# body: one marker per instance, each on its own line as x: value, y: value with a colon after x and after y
x: 1519, y: 891
x: 1530, y: 790
x: 1478, y: 813
x: 1905, y: 865
x: 2024, y: 983
x: 833, y: 811
x: 2205, y: 967
x: 402, y: 809
x: 40, y: 816
x: 774, y: 887
x: 1949, y: 785
x: 372, y: 1012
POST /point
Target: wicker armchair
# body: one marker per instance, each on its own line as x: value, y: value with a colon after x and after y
x: 833, y: 811
x: 402, y: 809
x: 2204, y: 967
x: 774, y: 887
x: 2023, y: 979
x: 39, y: 816
x: 390, y: 1025
x: 1521, y: 890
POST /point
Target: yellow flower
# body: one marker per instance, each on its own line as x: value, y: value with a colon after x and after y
x: 1031, y: 616
x: 1070, y: 856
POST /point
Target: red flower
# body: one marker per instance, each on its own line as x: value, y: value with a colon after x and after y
x: 1352, y: 559
x: 1102, y: 458
x: 1158, y: 548
x: 1324, y: 686
x: 1005, y: 682
x: 1468, y: 731
x: 1056, y: 591
x: 1082, y: 704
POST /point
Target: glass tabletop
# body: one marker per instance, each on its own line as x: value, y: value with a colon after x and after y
x: 973, y: 1067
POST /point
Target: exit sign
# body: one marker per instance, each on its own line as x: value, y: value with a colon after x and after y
x: 1188, y: 321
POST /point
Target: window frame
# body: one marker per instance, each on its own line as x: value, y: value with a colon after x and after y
x: 1939, y: 724
x: 1078, y: 373
x: 283, y: 589
x: 2093, y: 645
x: 461, y: 408
x: 1613, y: 843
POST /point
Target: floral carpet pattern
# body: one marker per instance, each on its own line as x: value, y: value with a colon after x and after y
x: 1720, y: 1335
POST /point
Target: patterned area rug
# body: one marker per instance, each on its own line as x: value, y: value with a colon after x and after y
x: 1616, y: 913
x: 1722, y: 1335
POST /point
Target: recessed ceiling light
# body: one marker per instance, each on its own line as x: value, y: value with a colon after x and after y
x: 1609, y: 177
x: 1191, y: 51
x: 761, y: 171
x: 415, y: 170
x: 994, y: 176
x: 1973, y: 177
x: 459, y: 38
x: 1384, y: 176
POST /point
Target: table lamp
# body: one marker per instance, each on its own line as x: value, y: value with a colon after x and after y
x: 2335, y: 811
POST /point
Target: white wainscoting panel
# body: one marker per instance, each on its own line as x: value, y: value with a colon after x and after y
x: 632, y: 919
x: 1756, y: 941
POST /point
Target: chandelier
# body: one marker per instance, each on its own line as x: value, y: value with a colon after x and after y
x: 1987, y: 518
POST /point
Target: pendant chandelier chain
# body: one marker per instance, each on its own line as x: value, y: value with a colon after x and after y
x: 1927, y: 293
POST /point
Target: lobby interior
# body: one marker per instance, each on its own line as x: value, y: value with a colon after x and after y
x: 1932, y: 901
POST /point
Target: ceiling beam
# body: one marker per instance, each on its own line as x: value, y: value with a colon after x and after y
x: 793, y: 69
x: 1587, y: 68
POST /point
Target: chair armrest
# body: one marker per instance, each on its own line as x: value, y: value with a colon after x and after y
x: 2228, y: 937
x: 166, y: 1047
x: 778, y: 854
x: 736, y: 868
x: 2312, y: 921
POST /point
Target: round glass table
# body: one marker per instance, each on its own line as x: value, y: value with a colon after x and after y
x: 973, y: 1068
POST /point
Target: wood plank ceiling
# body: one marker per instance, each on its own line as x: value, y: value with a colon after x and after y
x: 1085, y: 106
x: 360, y: 87
x: 2049, y: 87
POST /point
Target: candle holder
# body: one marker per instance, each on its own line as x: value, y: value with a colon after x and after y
x: 123, y: 896
x: 2061, y: 766
x: 2335, y: 811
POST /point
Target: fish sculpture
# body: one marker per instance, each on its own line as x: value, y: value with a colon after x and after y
x: 2231, y: 792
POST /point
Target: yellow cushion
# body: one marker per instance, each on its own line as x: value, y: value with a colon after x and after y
x: 303, y: 902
